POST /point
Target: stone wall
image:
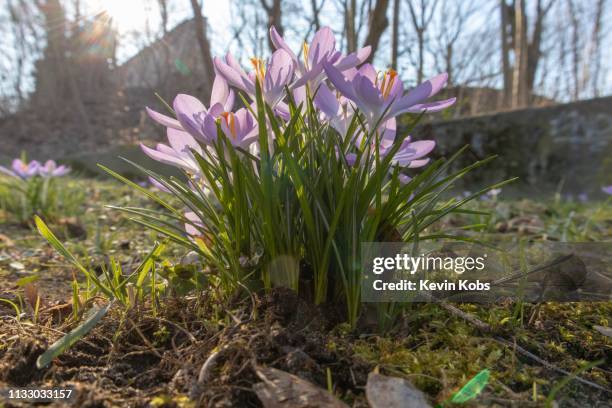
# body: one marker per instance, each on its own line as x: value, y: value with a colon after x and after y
x: 564, y: 146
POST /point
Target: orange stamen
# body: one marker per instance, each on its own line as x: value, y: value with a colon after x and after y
x: 387, y: 82
x: 230, y: 121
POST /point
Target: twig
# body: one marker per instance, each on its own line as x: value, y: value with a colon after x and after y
x: 485, y: 327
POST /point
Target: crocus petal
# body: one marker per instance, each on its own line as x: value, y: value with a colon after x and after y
x: 370, y: 98
x: 353, y: 59
x: 351, y: 158
x: 322, y: 45
x: 161, y: 156
x: 279, y: 43
x: 220, y: 91
x: 163, y: 119
x: 62, y: 171
x: 326, y: 101
x: 216, y: 110
x: 188, y: 105
x: 209, y: 129
x: 193, y: 224
x: 607, y: 190
x: 158, y: 185
x: 412, y: 151
x: 339, y: 81
x: 431, y: 106
x: 187, y: 108
x: 229, y: 102
x: 368, y: 71
x: 418, y: 163
x: 234, y: 76
x: 182, y: 141
x: 421, y: 92
x: 404, y: 179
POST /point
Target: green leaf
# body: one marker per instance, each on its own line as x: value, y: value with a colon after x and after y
x: 472, y: 388
x: 57, y: 348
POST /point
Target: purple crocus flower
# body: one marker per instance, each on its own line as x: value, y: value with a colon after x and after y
x: 322, y: 49
x: 178, y: 153
x: 156, y: 184
x: 51, y: 169
x: 336, y: 109
x: 190, y: 111
x: 240, y: 127
x: 411, y: 154
x: 381, y: 99
x: 22, y: 169
x: 607, y: 190
x: 273, y: 75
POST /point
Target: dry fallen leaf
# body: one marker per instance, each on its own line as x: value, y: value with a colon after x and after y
x: 280, y: 389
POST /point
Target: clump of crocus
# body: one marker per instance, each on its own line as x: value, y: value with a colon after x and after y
x: 24, y: 170
x: 607, y: 190
x: 30, y: 189
x: 312, y: 165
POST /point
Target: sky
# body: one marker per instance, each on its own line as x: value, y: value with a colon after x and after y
x: 132, y: 18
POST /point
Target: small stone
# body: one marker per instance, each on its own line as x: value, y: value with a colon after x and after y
x: 393, y: 392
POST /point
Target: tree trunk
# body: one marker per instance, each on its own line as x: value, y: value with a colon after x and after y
x: 275, y: 15
x: 378, y: 23
x: 204, y: 44
x: 505, y: 53
x: 350, y: 7
x: 395, y: 34
x: 519, y: 82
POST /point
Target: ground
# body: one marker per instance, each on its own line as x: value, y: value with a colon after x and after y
x: 153, y: 353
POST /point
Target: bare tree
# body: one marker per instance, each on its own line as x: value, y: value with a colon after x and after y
x: 519, y: 78
x: 421, y: 16
x: 377, y: 24
x: 204, y: 44
x: 274, y: 13
x: 350, y: 30
x: 395, y: 34
x: 316, y: 10
x: 452, y: 18
x: 591, y: 63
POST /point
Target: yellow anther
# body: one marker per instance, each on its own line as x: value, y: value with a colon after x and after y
x: 305, y: 54
x: 260, y: 68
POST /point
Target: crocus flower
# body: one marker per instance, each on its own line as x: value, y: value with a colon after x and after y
x: 51, y: 169
x: 607, y: 190
x: 240, y: 127
x: 273, y: 75
x: 381, y: 98
x: 337, y: 110
x: 178, y: 153
x: 322, y: 49
x: 190, y: 111
x: 22, y: 169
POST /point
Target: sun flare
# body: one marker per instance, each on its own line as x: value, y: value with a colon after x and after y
x: 126, y: 15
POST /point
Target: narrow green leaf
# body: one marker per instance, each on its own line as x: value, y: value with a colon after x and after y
x: 472, y: 388
x: 63, y: 344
